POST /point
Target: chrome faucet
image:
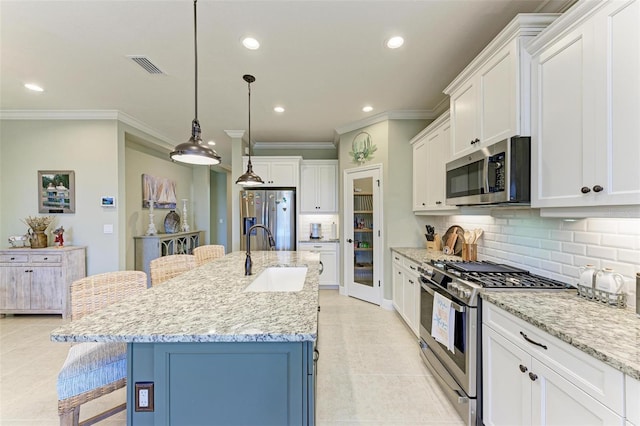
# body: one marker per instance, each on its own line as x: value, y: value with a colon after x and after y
x: 272, y: 243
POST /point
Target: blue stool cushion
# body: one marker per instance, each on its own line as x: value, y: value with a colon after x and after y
x: 91, y: 365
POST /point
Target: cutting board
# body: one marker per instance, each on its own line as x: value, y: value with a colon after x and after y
x: 453, y: 238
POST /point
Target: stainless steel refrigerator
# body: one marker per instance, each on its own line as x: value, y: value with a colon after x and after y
x: 276, y: 209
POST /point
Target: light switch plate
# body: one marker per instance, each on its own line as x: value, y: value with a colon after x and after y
x: 108, y: 228
x: 144, y: 396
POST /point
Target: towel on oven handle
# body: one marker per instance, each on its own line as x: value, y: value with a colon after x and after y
x: 443, y: 321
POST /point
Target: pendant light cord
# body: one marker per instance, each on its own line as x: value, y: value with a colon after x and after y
x: 249, y: 84
x: 195, y: 44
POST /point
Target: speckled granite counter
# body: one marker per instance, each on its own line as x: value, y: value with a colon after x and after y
x: 207, y: 304
x: 421, y: 255
x: 609, y: 334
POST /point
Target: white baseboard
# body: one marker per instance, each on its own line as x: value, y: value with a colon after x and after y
x: 328, y: 286
x: 343, y: 290
x: 387, y: 304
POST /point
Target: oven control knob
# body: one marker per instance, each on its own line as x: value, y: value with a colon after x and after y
x: 466, y: 294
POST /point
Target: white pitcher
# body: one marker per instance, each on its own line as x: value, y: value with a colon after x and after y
x: 608, y: 280
x: 587, y: 272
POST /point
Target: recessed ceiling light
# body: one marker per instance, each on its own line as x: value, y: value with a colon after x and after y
x: 34, y: 87
x: 395, y: 42
x: 367, y: 108
x: 278, y: 109
x: 211, y: 142
x: 250, y: 43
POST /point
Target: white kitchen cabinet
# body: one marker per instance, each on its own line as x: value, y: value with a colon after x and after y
x: 530, y: 377
x: 276, y: 171
x: 319, y: 186
x: 632, y: 395
x: 328, y: 259
x: 431, y: 151
x: 406, y: 290
x: 489, y: 100
x: 586, y: 104
x: 36, y: 281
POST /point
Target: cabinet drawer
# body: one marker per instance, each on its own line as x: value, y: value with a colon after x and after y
x: 317, y: 246
x: 594, y: 377
x: 14, y: 258
x: 45, y: 258
x: 410, y: 265
x: 397, y: 259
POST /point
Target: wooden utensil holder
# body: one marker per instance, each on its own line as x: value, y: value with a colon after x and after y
x: 436, y: 244
x: 469, y: 251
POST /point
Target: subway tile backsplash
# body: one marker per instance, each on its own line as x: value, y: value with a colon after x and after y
x: 304, y: 221
x: 554, y: 247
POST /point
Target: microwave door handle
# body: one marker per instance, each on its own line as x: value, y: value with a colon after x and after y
x: 485, y: 174
x: 454, y: 305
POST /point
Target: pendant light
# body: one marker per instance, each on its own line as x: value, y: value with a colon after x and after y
x: 249, y: 178
x: 194, y: 151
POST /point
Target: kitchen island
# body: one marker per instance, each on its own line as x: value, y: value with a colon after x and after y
x: 217, y: 354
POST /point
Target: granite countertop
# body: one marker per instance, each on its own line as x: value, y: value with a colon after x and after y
x: 609, y: 334
x: 207, y: 304
x: 422, y: 255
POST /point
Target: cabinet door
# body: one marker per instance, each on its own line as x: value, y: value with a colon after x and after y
x: 262, y: 169
x: 15, y: 292
x: 421, y: 167
x: 308, y: 188
x: 326, y: 188
x: 555, y: 401
x: 46, y: 288
x: 464, y: 119
x: 409, y: 284
x: 439, y: 152
x: 497, y: 97
x: 563, y: 117
x: 329, y: 261
x: 505, y: 383
x: 283, y: 173
x: 398, y: 288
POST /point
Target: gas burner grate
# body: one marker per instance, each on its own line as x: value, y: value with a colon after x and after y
x: 515, y: 280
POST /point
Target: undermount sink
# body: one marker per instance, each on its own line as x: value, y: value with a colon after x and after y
x: 279, y: 278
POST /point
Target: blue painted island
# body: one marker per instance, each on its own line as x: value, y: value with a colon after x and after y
x: 215, y: 353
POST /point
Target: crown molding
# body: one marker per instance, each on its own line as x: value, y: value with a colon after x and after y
x: 235, y: 134
x: 83, y: 115
x: 417, y: 114
x: 294, y: 145
x: 442, y: 119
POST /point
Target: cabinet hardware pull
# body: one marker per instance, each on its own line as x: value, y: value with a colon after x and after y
x: 438, y: 202
x: 597, y: 188
x: 396, y: 258
x: 412, y: 267
x: 523, y: 368
x: 532, y: 341
x: 13, y: 258
x: 321, y: 268
x: 46, y: 258
x: 411, y: 281
x: 349, y: 240
x: 585, y: 189
x: 533, y: 377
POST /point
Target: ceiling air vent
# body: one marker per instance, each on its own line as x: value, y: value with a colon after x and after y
x: 145, y: 63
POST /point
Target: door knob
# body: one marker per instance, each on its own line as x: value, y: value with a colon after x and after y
x: 523, y: 368
x: 597, y: 188
x: 585, y: 189
x: 349, y: 240
x: 533, y: 377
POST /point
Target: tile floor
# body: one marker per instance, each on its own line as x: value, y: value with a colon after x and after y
x: 369, y: 371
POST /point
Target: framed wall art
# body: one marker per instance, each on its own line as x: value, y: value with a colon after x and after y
x: 56, y: 191
x: 161, y: 190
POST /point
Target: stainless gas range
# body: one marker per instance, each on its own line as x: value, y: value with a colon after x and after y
x: 459, y: 283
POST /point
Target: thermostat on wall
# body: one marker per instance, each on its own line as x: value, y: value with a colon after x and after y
x: 107, y: 201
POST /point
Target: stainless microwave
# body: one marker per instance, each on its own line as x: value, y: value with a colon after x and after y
x: 496, y: 174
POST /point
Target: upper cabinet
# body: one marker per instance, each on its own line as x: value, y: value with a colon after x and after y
x: 586, y: 107
x: 276, y: 171
x: 319, y: 186
x: 431, y: 151
x: 490, y: 99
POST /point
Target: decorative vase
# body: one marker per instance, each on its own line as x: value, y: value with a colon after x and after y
x: 172, y: 222
x: 38, y: 239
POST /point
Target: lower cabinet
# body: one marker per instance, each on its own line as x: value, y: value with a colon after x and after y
x: 328, y: 261
x: 406, y: 290
x: 532, y: 378
x: 632, y: 395
x: 36, y: 281
x: 224, y: 383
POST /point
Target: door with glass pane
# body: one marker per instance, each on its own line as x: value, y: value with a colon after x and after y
x: 362, y: 215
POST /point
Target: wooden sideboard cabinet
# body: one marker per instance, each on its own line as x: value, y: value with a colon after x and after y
x: 149, y: 247
x: 37, y: 281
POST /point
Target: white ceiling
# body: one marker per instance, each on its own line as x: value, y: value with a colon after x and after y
x: 322, y: 60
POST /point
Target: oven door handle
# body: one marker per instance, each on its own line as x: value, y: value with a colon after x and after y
x: 454, y: 305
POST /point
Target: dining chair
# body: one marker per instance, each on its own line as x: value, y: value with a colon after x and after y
x: 93, y: 369
x: 207, y: 253
x: 166, y: 267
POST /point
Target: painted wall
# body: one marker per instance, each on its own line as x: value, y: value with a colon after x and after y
x: 552, y: 247
x: 394, y: 153
x: 90, y: 149
x: 141, y: 160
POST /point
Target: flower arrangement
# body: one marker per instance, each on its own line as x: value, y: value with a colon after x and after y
x: 38, y: 223
x: 362, y: 147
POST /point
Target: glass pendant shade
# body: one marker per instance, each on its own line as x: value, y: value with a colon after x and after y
x: 249, y: 178
x: 194, y: 151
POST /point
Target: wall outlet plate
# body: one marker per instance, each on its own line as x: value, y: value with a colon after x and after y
x: 144, y: 396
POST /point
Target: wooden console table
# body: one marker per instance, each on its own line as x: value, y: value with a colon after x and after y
x: 37, y: 281
x: 149, y: 247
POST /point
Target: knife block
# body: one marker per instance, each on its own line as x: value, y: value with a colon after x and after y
x: 436, y: 244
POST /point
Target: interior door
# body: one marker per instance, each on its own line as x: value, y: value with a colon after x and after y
x: 363, y: 241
